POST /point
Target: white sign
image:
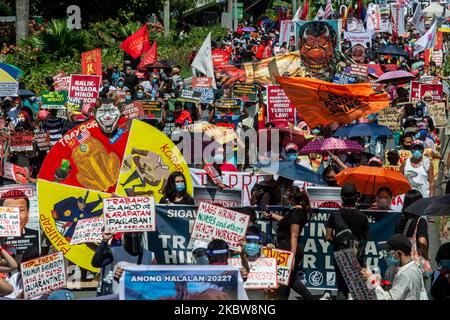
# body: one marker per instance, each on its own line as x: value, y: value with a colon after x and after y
x: 262, y: 274
x: 88, y: 231
x: 285, y: 262
x: 9, y: 222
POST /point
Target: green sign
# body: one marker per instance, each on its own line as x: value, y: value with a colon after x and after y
x: 54, y: 98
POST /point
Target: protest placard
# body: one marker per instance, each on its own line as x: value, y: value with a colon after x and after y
x: 437, y: 111
x: 85, y: 88
x: 9, y: 222
x: 53, y: 99
x: 324, y: 197
x: 189, y: 96
x: 435, y: 90
x: 262, y: 275
x: 206, y: 94
x: 414, y: 90
x: 43, y: 275
x: 132, y: 110
x: 285, y: 263
x: 245, y: 92
x: 186, y: 282
x: 42, y: 140
x: 201, y: 82
x: 215, y: 222
x: 61, y: 82
x: 359, y: 70
x: 151, y: 108
x: 14, y: 172
x: 88, y: 231
x: 132, y: 214
x: 280, y: 109
x: 21, y: 141
x: 389, y: 117
x: 437, y: 57
x: 212, y: 195
x: 74, y: 104
x: 220, y: 57
x: 341, y: 78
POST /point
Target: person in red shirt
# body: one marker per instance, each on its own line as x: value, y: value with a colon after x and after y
x: 182, y: 117
x: 214, y: 170
x: 260, y: 51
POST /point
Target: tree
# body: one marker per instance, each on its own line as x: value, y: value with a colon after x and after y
x: 22, y: 18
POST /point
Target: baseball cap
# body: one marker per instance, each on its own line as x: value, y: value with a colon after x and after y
x: 375, y: 159
x: 417, y: 143
x: 348, y: 191
x: 198, y: 244
x: 61, y: 295
x: 291, y: 146
x: 396, y: 242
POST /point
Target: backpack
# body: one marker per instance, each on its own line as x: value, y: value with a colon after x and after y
x: 344, y: 238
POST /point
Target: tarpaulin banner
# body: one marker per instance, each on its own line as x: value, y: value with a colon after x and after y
x: 212, y: 195
x: 317, y: 262
x: 280, y: 109
x: 17, y: 195
x: 85, y: 88
x: 91, y: 62
x: 220, y: 57
x: 359, y: 38
x: 195, y: 282
x: 21, y: 141
x: 320, y: 102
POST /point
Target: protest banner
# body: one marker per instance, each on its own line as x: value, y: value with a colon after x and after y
x: 189, y: 282
x: 220, y: 57
x: 213, y: 222
x: 212, y: 195
x: 201, y: 82
x: 85, y: 88
x: 132, y: 110
x: 359, y: 38
x: 188, y: 95
x: 285, y: 263
x: 21, y: 141
x: 151, y: 108
x: 17, y: 195
x: 131, y: 214
x: 43, y: 275
x: 389, y: 117
x: 245, y: 92
x: 414, y: 91
x: 9, y: 88
x: 262, y: 274
x: 88, y: 231
x: 228, y: 103
x: 435, y: 90
x: 206, y: 94
x: 53, y: 99
x: 61, y: 82
x: 351, y: 272
x: 91, y: 62
x: 42, y: 140
x: 341, y: 78
x: 14, y: 172
x: 437, y: 111
x: 9, y: 222
x: 280, y: 109
x: 359, y: 70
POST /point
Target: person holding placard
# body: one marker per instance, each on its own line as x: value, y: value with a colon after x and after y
x: 175, y: 190
x: 7, y: 262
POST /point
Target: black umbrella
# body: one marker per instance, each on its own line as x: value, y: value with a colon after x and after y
x: 432, y: 206
x: 161, y: 64
x: 392, y: 50
x: 26, y: 93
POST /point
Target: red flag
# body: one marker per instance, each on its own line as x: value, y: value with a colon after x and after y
x: 137, y: 43
x: 304, y: 14
x: 149, y: 57
x: 91, y: 62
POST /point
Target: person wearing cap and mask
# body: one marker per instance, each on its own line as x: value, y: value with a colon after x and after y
x: 116, y: 75
x: 113, y: 260
x: 419, y: 170
x: 199, y: 252
x: 408, y: 282
x: 425, y: 137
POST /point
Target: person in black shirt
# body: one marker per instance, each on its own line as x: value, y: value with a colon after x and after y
x: 358, y: 224
x: 414, y: 223
x: 175, y: 190
x: 440, y: 282
x: 288, y: 232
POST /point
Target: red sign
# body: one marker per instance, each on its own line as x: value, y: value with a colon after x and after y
x: 133, y: 110
x: 85, y: 88
x: 220, y: 57
x: 201, y: 82
x: 91, y: 62
x: 280, y: 109
x: 14, y: 172
x: 435, y: 90
x: 414, y: 90
x: 137, y: 43
x: 61, y: 82
x: 21, y: 141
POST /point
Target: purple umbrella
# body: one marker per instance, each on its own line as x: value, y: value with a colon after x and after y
x: 333, y: 145
x: 398, y: 75
x: 248, y: 29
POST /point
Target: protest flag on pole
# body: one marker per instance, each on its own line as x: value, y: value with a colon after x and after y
x: 426, y: 41
x: 149, y: 57
x: 203, y: 60
x: 417, y: 19
x: 304, y: 14
x: 137, y: 43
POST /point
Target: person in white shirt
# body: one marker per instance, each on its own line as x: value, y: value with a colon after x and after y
x: 408, y: 282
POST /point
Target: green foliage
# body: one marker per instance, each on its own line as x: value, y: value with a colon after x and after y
x: 446, y: 66
x: 5, y: 9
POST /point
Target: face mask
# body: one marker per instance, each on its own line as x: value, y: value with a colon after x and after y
x: 417, y: 154
x: 128, y: 98
x: 292, y: 157
x: 140, y: 95
x: 180, y: 186
x: 202, y: 260
x: 315, y: 131
x: 218, y: 158
x: 155, y: 80
x: 445, y: 264
x: 252, y: 249
x: 120, y: 83
x: 383, y: 204
x: 391, y: 260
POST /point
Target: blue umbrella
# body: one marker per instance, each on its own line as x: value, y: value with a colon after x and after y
x: 363, y: 130
x: 291, y: 170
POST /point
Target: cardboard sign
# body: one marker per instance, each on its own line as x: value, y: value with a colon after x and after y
x: 285, y: 263
x: 437, y: 111
x: 215, y: 222
x: 61, y: 82
x: 280, y: 109
x: 85, y: 88
x: 189, y: 96
x: 245, y: 92
x: 9, y: 222
x: 435, y: 90
x: 212, y: 195
x: 21, y: 141
x: 132, y: 110
x: 201, y: 82
x: 42, y: 140
x: 262, y: 275
x: 359, y: 70
x: 53, y: 98
x: 389, y: 117
x: 206, y: 94
x: 43, y: 275
x: 151, y: 108
x: 437, y: 57
x: 132, y: 214
x: 88, y: 230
